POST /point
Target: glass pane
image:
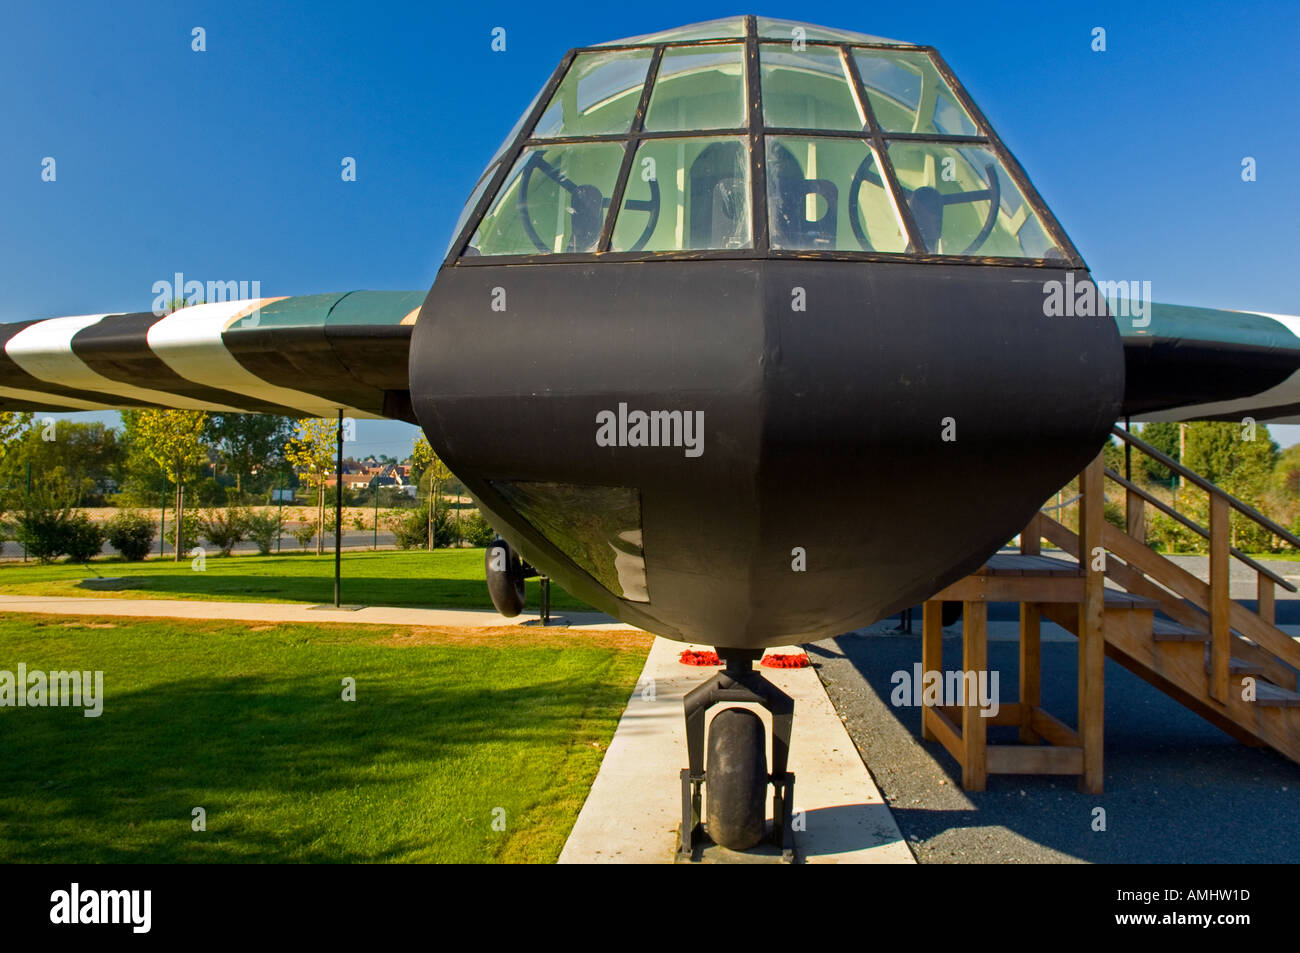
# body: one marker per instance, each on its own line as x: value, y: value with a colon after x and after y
x: 828, y: 194
x: 701, y: 87
x: 964, y: 203
x: 791, y: 31
x: 723, y: 29
x: 809, y: 89
x: 686, y: 194
x: 598, y: 95
x: 553, y: 201
x: 908, y: 95
x: 469, y: 205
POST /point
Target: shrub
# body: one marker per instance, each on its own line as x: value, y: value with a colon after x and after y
x: 43, y: 531
x: 189, y: 530
x: 305, y: 533
x: 224, y: 528
x: 131, y: 533
x: 264, y: 529
x: 49, y: 532
x: 412, y: 530
x: 85, y: 538
x: 1167, y: 535
x: 477, y: 530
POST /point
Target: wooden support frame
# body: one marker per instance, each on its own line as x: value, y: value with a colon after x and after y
x: 1048, y: 745
x: 1092, y: 646
x: 1220, y: 598
x: 1031, y: 669
x: 1266, y: 593
x: 974, y: 726
x: 931, y: 657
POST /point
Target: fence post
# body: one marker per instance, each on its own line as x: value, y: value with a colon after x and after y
x: 1092, y: 648
x: 1220, y: 597
x: 1135, y: 516
x: 1264, y: 588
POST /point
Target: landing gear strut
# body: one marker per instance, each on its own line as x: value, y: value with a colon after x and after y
x: 737, y: 776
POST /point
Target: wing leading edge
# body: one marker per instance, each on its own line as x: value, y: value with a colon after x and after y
x: 305, y: 356
x: 1205, y: 364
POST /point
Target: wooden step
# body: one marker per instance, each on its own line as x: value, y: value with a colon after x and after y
x: 1023, y: 564
x: 1238, y: 666
x: 1163, y: 630
x: 1268, y: 695
x: 1119, y: 599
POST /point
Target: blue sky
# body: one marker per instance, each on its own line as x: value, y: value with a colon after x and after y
x: 225, y: 164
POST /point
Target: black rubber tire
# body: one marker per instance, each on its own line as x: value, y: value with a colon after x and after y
x: 951, y: 613
x: 735, y: 774
x: 505, y: 587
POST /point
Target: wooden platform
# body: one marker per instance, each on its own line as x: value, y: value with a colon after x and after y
x: 1048, y: 745
x: 1229, y: 664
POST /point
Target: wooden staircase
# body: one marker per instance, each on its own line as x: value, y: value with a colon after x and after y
x: 1229, y: 664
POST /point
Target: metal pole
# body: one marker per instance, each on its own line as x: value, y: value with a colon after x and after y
x: 1182, y: 452
x: 279, y: 514
x: 28, y: 504
x: 338, y: 510
x: 374, y: 485
x: 162, y: 521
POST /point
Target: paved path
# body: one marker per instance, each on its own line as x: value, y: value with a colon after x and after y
x: 633, y: 810
x: 292, y: 612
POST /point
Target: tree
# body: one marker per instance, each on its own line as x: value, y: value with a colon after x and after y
x: 427, y: 464
x: 311, y: 451
x: 248, y: 441
x: 13, y: 424
x: 1238, y: 458
x: 174, y: 439
x: 1286, y: 473
x: 1164, y: 437
x: 72, y: 464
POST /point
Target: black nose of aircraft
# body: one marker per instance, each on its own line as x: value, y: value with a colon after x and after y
x: 742, y: 336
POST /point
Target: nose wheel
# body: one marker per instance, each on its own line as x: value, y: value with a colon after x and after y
x: 733, y: 785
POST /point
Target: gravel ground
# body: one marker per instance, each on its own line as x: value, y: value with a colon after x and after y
x: 1177, y: 789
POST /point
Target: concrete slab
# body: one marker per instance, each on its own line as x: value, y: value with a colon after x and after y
x: 633, y: 810
x: 292, y: 612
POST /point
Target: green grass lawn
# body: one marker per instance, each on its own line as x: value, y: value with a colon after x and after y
x: 444, y: 578
x: 249, y: 723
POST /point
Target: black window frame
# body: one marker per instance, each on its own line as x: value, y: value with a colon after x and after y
x: 756, y: 132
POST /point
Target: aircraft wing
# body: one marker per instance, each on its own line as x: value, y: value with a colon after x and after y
x: 1204, y: 364
x: 305, y: 356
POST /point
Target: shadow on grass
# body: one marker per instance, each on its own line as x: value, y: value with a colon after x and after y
x: 424, y: 593
x: 287, y: 771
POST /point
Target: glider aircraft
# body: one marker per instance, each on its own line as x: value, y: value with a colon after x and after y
x: 726, y: 318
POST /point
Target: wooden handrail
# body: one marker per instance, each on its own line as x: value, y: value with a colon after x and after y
x: 1179, y: 583
x: 1197, y: 528
x: 1244, y: 508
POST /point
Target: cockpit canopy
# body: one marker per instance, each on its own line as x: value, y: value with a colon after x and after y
x: 751, y: 137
